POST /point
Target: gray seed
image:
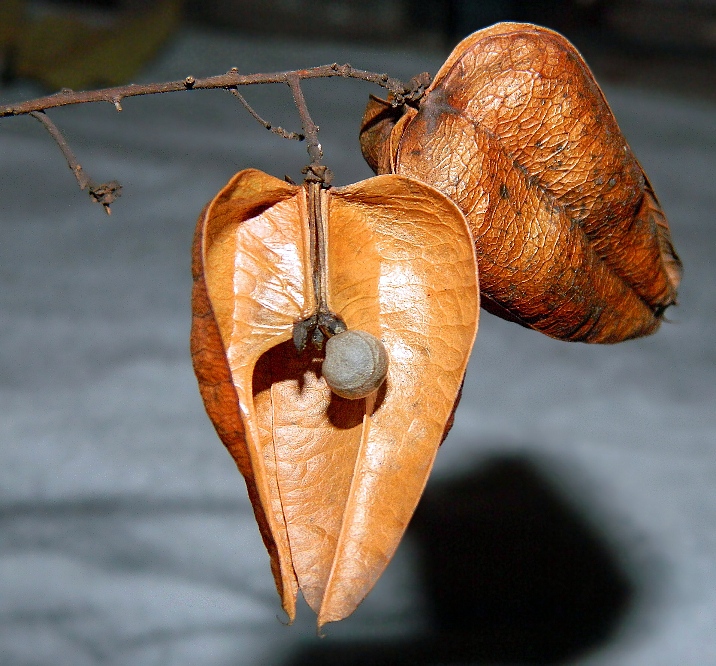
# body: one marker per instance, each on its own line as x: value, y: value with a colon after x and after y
x: 356, y: 364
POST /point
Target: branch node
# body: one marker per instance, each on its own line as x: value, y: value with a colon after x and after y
x: 416, y: 88
x: 117, y: 103
x: 318, y: 173
x: 189, y: 82
x: 105, y: 194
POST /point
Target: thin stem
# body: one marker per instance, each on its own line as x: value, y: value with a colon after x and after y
x: 317, y: 231
x: 83, y: 180
x: 310, y: 129
x: 229, y: 80
x: 104, y: 193
x: 276, y: 130
x: 323, y: 323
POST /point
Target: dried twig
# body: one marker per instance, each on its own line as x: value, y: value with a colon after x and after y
x: 310, y: 129
x: 276, y: 130
x: 104, y: 193
x: 229, y: 80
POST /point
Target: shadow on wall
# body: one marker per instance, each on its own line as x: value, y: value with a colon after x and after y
x: 511, y: 574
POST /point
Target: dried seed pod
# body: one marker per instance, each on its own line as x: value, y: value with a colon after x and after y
x: 570, y: 237
x: 333, y: 482
x: 356, y: 364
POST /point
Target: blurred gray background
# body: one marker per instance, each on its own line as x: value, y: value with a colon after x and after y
x: 571, y: 516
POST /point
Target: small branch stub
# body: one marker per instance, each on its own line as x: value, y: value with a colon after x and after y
x: 103, y: 193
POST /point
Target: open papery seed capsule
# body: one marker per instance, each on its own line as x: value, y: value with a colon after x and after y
x: 333, y: 482
x: 355, y: 365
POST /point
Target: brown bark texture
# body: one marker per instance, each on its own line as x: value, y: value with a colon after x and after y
x: 570, y: 238
x: 333, y: 481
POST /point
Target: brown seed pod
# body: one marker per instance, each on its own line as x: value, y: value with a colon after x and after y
x: 355, y: 365
x: 569, y: 235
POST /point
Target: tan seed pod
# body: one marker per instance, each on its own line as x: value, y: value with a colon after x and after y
x: 356, y: 364
x: 333, y: 482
